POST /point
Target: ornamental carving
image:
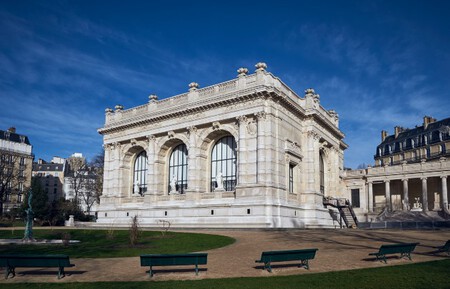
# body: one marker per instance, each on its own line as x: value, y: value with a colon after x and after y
x: 171, y: 134
x: 133, y: 142
x: 216, y: 125
x: 261, y: 115
x: 252, y: 128
x: 192, y: 130
x: 151, y: 138
x: 242, y: 119
x: 313, y: 134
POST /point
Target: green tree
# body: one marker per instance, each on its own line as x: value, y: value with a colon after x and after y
x: 39, y: 202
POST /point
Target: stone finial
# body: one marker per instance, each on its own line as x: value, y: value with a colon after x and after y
x: 309, y: 92
x: 119, y: 107
x: 152, y: 98
x: 260, y: 66
x: 109, y: 110
x: 242, y: 71
x: 193, y: 86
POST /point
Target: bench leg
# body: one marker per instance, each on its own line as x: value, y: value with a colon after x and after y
x: 267, y: 266
x: 196, y: 269
x: 61, y: 273
x: 305, y: 264
x: 406, y: 255
x: 150, y: 272
x: 10, y: 270
x: 381, y: 258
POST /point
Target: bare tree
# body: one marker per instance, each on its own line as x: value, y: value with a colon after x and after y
x: 86, y: 180
x: 9, y: 177
x: 88, y: 194
x: 96, y: 166
x: 77, y: 170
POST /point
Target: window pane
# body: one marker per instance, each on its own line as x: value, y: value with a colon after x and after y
x: 223, y: 160
x: 178, y: 168
x: 140, y: 174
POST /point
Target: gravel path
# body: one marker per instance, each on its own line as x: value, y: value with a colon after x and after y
x: 338, y: 250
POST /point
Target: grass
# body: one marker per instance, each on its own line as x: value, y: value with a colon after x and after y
x: 96, y: 244
x: 433, y: 274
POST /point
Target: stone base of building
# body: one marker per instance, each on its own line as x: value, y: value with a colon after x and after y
x: 410, y: 225
x: 213, y: 213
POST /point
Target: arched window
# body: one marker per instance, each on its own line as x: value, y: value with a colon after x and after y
x: 223, y: 164
x: 322, y: 173
x: 178, y: 167
x: 140, y: 174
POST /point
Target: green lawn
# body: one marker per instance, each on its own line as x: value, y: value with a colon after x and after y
x: 97, y: 243
x: 429, y: 275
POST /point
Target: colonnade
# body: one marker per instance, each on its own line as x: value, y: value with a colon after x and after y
x: 405, y: 198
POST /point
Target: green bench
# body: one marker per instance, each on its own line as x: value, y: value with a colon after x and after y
x: 11, y: 262
x: 404, y: 249
x: 173, y: 260
x: 445, y: 248
x: 288, y: 255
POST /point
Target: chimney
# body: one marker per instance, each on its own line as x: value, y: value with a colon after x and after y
x: 427, y: 120
x: 398, y: 130
x: 12, y: 129
x: 383, y: 135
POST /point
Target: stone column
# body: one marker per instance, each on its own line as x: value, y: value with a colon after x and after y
x: 424, y: 195
x: 444, y: 193
x: 387, y: 186
x: 370, y: 193
x: 405, y: 195
x: 151, y: 177
x: 194, y: 163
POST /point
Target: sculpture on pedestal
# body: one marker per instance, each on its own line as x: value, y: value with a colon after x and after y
x: 28, y: 236
x: 173, y: 185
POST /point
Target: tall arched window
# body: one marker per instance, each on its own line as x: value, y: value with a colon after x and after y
x: 140, y: 174
x: 322, y: 173
x: 178, y: 167
x: 223, y: 164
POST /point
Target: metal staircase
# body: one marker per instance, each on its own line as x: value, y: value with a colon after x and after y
x: 345, y: 210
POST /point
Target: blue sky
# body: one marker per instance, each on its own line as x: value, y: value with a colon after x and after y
x: 377, y: 63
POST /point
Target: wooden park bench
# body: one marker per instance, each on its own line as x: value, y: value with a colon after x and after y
x: 11, y: 262
x: 289, y: 255
x: 387, y: 249
x: 174, y: 260
x: 445, y: 248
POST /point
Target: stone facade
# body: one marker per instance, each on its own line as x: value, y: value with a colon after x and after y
x: 51, y: 176
x: 248, y: 152
x: 410, y: 174
x: 16, y: 160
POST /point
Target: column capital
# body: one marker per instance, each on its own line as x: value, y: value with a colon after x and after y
x: 387, y: 181
x: 370, y: 182
x: 444, y: 177
x: 423, y: 178
x: 405, y: 179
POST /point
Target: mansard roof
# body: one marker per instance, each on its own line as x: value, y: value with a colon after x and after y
x: 417, y: 131
x: 48, y: 167
x: 14, y: 137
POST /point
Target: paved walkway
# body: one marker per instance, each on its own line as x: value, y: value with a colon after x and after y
x: 338, y: 250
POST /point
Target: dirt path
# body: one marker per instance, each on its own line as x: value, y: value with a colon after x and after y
x: 338, y: 250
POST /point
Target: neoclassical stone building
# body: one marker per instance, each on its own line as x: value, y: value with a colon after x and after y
x: 248, y: 152
x: 410, y: 173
